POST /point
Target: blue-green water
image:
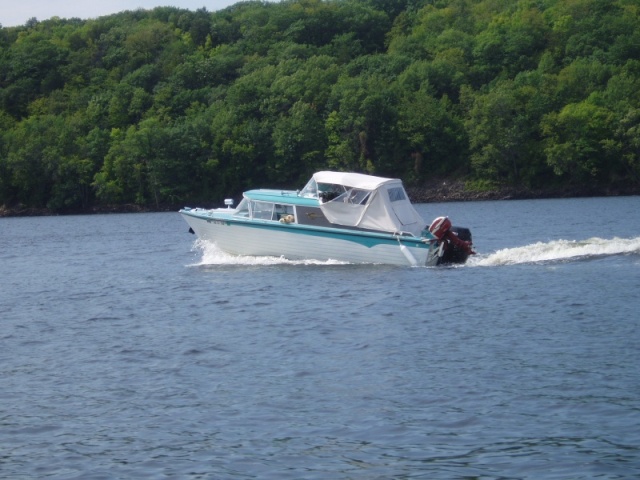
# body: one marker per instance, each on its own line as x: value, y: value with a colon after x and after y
x: 126, y: 352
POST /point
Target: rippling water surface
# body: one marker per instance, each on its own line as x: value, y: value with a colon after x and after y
x: 129, y: 351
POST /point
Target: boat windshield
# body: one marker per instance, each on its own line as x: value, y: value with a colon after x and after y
x: 330, y: 191
x: 324, y: 191
x: 243, y: 208
x: 310, y: 189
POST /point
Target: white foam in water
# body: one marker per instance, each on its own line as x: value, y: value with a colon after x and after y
x: 558, y: 250
x: 212, y: 255
x: 553, y: 251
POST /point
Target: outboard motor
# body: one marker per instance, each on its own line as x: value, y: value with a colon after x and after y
x: 456, y: 243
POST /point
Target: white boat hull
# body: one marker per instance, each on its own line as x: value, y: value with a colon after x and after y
x: 299, y: 242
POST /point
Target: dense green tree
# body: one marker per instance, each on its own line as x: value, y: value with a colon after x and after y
x: 34, y: 149
x: 362, y: 123
x: 628, y: 133
x: 504, y: 129
x: 435, y: 143
x: 497, y: 127
x: 580, y: 136
x: 299, y: 144
x: 173, y: 106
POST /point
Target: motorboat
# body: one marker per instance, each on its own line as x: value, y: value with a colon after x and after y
x: 343, y: 216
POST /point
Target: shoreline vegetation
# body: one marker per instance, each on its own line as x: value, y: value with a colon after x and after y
x: 441, y: 191
x: 147, y: 110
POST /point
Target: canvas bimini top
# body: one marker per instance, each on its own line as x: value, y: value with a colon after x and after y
x: 365, y: 201
x: 353, y: 180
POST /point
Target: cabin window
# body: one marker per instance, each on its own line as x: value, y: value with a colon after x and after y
x: 272, y: 211
x: 396, y: 194
x: 284, y: 213
x: 262, y: 210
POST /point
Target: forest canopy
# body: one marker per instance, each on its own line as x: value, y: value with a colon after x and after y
x: 171, y: 106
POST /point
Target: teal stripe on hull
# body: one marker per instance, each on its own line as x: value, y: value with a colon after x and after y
x: 367, y: 239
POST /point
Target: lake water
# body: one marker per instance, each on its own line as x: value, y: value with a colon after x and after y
x: 128, y: 351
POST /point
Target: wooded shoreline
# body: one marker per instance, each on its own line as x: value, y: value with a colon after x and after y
x: 147, y: 108
x: 444, y: 191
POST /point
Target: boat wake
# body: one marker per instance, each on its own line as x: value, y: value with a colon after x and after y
x: 542, y: 252
x: 558, y: 251
x: 212, y: 255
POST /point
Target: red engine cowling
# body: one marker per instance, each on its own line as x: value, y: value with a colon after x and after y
x: 439, y: 227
